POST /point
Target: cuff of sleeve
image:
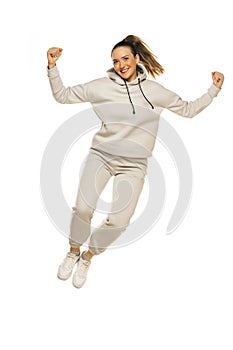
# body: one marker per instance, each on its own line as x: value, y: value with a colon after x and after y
x: 52, y: 72
x: 213, y: 91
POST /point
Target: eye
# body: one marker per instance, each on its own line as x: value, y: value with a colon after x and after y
x: 115, y: 62
x: 125, y: 58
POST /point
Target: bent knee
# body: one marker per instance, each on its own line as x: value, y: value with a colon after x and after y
x: 85, y: 214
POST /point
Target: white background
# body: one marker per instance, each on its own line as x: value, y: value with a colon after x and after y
x: 162, y: 292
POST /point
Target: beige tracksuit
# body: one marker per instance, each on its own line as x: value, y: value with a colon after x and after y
x: 129, y: 112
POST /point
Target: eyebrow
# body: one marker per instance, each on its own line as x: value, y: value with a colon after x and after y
x: 115, y: 59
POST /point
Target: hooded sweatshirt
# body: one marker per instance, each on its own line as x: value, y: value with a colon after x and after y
x: 129, y: 111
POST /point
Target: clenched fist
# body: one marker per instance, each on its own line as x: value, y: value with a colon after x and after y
x: 53, y: 54
x: 218, y: 79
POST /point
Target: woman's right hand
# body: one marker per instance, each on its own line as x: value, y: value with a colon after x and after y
x: 53, y: 54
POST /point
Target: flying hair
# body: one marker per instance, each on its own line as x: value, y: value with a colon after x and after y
x: 147, y: 57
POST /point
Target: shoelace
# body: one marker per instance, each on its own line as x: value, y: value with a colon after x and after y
x: 70, y: 261
x: 83, y: 266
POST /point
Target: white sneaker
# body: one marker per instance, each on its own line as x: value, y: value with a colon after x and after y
x: 66, y: 267
x: 80, y: 275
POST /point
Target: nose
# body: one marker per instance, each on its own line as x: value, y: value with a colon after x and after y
x: 121, y: 64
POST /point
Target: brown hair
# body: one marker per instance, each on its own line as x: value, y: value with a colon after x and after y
x: 147, y: 58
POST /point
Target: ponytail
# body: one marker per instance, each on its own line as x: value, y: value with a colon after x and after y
x: 147, y: 58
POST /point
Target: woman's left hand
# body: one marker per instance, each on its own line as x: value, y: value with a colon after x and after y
x: 218, y: 79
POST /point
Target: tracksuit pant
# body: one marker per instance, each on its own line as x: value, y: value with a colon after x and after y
x: 129, y: 175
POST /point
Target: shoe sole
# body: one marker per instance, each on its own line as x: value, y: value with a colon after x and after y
x: 64, y: 278
x: 79, y: 286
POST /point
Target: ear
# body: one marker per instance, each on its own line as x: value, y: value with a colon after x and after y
x: 137, y: 58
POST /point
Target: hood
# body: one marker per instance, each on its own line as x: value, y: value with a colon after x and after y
x: 141, y: 76
x: 141, y: 73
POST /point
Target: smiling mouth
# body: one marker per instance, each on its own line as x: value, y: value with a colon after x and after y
x: 123, y: 71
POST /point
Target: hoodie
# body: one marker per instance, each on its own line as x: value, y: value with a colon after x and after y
x: 129, y: 111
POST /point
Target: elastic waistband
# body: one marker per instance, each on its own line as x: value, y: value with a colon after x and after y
x: 143, y: 160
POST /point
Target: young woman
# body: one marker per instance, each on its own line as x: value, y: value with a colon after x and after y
x: 129, y: 106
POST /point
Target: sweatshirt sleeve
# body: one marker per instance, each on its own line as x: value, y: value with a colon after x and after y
x: 174, y: 103
x: 62, y: 94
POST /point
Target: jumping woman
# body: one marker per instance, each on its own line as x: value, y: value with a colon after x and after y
x: 128, y: 105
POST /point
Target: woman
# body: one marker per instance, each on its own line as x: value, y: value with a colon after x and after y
x: 129, y: 106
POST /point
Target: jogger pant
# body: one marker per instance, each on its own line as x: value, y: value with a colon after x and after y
x: 99, y: 167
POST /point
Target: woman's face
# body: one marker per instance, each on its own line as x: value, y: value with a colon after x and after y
x: 125, y: 63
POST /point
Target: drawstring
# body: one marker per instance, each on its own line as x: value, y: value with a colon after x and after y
x: 129, y: 96
x: 139, y: 83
